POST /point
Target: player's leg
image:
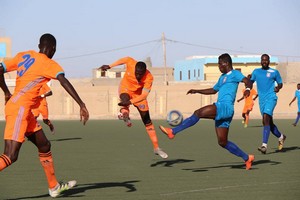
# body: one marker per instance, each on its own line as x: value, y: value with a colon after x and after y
x: 145, y: 116
x: 281, y: 137
x: 297, y: 119
x: 247, y: 114
x: 10, y: 154
x: 222, y: 128
x: 208, y: 112
x: 124, y: 110
x: 244, y: 118
x: 15, y: 128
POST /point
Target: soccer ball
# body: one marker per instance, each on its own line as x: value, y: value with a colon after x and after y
x: 174, y: 118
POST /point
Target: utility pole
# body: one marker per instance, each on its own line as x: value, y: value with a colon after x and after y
x: 163, y: 40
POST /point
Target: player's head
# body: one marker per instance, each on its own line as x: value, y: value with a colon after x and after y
x: 47, y: 45
x: 140, y: 70
x: 225, y: 63
x: 265, y: 61
x: 249, y: 76
x: 298, y: 86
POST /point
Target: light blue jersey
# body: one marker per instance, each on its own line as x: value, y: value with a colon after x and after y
x: 227, y: 86
x: 265, y: 81
x: 297, y: 94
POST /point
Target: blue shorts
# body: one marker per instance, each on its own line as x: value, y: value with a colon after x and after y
x: 267, y: 106
x: 224, y: 114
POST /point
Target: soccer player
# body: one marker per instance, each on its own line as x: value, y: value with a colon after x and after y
x: 266, y: 78
x: 221, y: 111
x: 34, y: 69
x: 42, y: 108
x: 297, y: 95
x: 249, y: 103
x: 133, y: 90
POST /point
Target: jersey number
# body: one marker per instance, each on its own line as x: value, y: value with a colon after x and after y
x: 28, y: 61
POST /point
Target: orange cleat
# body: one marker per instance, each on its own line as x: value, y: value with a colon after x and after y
x: 167, y: 131
x: 249, y: 162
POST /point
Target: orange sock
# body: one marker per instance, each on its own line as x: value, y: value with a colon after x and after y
x: 4, y: 162
x: 47, y: 163
x: 152, y: 134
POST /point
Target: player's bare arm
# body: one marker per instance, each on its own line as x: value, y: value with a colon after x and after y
x: 84, y: 114
x: 3, y: 85
x: 278, y: 87
x: 202, y: 91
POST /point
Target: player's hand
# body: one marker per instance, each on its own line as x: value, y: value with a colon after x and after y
x: 104, y: 67
x: 192, y: 91
x: 276, y: 89
x: 124, y: 103
x: 7, y: 97
x: 84, y: 114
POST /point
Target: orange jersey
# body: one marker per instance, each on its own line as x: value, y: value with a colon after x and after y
x: 249, y: 100
x: 33, y: 71
x: 129, y: 80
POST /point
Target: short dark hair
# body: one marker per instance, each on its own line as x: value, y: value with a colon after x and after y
x: 47, y: 38
x: 265, y: 55
x: 141, y: 66
x: 226, y: 57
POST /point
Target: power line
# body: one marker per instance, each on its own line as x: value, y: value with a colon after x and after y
x: 107, y: 51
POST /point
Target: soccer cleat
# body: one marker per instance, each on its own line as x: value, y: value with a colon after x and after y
x: 161, y: 153
x: 167, y: 131
x: 60, y: 187
x: 249, y: 162
x: 294, y: 124
x: 243, y: 121
x: 281, y: 142
x: 262, y: 149
x: 245, y: 125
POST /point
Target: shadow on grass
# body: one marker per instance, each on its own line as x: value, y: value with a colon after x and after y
x: 80, y: 189
x: 286, y: 149
x: 233, y: 166
x: 170, y: 163
x: 66, y: 139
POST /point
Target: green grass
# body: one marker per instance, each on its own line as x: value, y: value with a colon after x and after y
x: 112, y: 162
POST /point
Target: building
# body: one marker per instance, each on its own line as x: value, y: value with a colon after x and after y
x: 205, y: 68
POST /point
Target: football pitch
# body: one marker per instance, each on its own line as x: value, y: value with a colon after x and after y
x: 113, y: 162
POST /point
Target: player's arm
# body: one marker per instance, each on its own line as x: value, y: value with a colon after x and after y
x: 202, y: 91
x: 292, y: 101
x: 278, y: 87
x: 3, y: 85
x: 255, y: 97
x: 240, y: 99
x: 84, y: 113
x: 121, y: 61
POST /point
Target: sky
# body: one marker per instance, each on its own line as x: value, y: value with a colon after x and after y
x: 91, y: 33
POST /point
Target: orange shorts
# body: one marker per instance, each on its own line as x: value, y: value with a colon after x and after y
x: 142, y: 105
x: 20, y: 122
x: 248, y: 107
x: 42, y: 109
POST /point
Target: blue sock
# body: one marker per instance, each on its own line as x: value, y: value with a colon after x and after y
x: 266, y: 134
x: 188, y: 122
x: 234, y: 149
x: 275, y: 131
x: 297, y: 119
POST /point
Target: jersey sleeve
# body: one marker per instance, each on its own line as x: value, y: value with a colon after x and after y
x: 52, y: 70
x: 11, y: 64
